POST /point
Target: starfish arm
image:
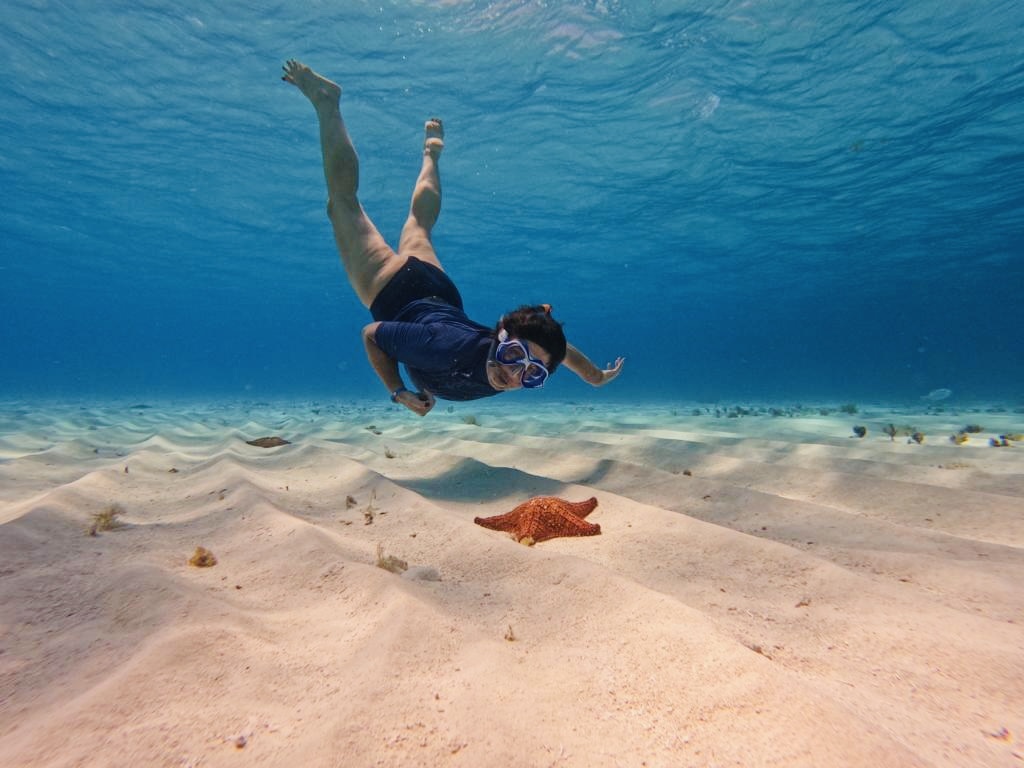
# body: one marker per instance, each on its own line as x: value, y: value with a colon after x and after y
x: 551, y: 529
x: 583, y: 508
x: 504, y: 522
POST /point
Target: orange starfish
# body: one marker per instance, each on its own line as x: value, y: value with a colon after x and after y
x: 544, y: 517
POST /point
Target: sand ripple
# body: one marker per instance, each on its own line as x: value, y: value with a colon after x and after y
x: 765, y: 591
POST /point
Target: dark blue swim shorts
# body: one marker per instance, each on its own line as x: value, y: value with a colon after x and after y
x: 415, y: 280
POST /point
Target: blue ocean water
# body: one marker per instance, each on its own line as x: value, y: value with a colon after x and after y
x: 748, y: 199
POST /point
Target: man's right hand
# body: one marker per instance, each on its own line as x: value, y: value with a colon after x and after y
x: 419, y: 403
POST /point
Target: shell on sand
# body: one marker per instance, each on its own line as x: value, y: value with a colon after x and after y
x: 268, y: 442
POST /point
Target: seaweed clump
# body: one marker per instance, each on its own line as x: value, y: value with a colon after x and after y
x: 202, y: 558
x: 860, y: 431
x: 390, y: 562
x: 904, y: 430
x: 106, y: 519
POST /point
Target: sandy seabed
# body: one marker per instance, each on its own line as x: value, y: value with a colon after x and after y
x: 766, y: 591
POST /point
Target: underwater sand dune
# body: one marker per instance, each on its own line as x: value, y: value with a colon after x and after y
x: 764, y: 591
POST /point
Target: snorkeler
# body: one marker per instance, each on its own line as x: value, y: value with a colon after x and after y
x: 418, y: 314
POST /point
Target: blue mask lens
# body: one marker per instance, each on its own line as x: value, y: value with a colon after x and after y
x: 511, y: 352
x: 532, y: 372
x: 534, y: 376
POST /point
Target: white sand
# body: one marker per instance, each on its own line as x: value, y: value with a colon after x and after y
x: 801, y: 598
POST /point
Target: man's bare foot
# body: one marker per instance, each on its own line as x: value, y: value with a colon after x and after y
x: 317, y: 88
x: 433, y: 141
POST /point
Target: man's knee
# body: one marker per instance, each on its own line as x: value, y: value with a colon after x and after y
x: 345, y: 207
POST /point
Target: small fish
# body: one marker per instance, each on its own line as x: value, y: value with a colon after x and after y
x: 937, y: 394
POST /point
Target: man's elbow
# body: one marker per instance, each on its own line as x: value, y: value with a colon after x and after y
x: 370, y: 334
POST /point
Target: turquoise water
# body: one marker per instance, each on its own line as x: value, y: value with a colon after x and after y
x: 746, y: 199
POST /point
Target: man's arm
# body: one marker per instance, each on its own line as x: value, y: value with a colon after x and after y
x: 386, y: 369
x: 578, y: 363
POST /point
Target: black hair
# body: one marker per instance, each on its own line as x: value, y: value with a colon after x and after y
x: 535, y: 323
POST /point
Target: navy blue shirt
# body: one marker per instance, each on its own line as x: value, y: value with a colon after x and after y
x: 443, y: 351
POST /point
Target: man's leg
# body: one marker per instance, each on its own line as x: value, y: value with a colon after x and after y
x: 426, y: 199
x: 369, y: 261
